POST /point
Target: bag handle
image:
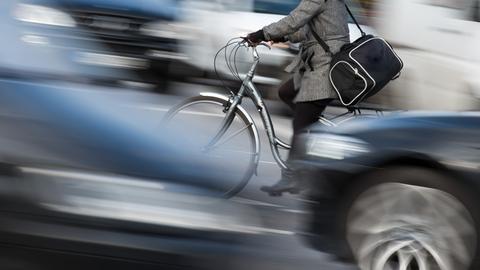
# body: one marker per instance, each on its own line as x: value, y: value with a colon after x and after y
x: 322, y: 42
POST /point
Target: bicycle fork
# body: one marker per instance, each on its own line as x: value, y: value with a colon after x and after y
x: 230, y: 109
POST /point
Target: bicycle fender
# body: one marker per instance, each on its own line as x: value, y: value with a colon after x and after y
x: 250, y: 120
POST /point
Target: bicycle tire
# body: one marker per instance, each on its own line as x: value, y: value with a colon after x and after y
x: 242, y: 117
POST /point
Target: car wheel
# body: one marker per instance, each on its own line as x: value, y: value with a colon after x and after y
x: 411, y: 218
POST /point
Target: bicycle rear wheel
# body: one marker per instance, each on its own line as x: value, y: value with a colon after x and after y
x: 235, y: 153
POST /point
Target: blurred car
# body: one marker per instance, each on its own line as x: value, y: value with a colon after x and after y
x: 401, y: 192
x: 87, y: 179
x: 210, y: 24
x: 137, y: 36
x: 52, y: 218
x: 52, y: 114
x: 441, y: 56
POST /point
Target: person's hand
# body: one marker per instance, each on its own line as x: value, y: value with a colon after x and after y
x: 256, y: 37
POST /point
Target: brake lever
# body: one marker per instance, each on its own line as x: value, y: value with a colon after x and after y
x: 265, y: 44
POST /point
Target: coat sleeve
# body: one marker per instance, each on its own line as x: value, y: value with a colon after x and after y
x: 298, y: 36
x: 299, y: 17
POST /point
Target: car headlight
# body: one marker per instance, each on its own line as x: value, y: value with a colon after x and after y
x: 335, y: 147
x: 162, y: 29
x: 43, y: 15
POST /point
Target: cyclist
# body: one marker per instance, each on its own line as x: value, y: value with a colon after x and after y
x: 309, y: 91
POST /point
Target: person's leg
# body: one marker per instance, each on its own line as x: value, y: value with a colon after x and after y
x: 306, y: 114
x: 287, y: 93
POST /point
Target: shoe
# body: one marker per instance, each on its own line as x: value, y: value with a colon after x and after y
x: 284, y: 185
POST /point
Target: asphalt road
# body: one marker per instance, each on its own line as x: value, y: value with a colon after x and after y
x: 280, y: 216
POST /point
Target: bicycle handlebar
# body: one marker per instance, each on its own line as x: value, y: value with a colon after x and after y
x: 247, y: 44
x: 255, y: 45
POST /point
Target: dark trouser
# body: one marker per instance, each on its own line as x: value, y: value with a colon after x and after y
x: 305, y: 113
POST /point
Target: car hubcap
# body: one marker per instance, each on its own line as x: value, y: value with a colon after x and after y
x: 406, y: 227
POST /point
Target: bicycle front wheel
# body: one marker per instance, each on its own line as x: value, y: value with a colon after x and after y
x: 235, y: 153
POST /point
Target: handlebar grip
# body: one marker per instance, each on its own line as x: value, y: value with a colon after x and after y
x: 251, y: 44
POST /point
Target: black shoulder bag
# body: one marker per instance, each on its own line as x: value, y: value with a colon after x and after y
x: 362, y: 68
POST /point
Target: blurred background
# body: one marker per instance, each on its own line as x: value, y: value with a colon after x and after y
x: 154, y: 46
x: 84, y: 85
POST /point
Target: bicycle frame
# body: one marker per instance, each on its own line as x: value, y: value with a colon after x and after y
x: 248, y: 88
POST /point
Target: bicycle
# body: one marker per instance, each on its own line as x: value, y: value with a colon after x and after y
x: 230, y: 113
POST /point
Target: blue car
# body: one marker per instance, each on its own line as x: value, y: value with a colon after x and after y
x: 135, y: 36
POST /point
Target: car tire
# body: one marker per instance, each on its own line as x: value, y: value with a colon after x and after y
x: 411, y: 217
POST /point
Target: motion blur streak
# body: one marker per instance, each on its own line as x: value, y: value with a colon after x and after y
x: 134, y: 200
x: 92, y: 177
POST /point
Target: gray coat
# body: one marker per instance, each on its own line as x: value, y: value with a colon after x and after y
x: 312, y: 65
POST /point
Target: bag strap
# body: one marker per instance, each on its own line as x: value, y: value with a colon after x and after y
x: 322, y: 42
x: 355, y: 20
x: 324, y: 45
